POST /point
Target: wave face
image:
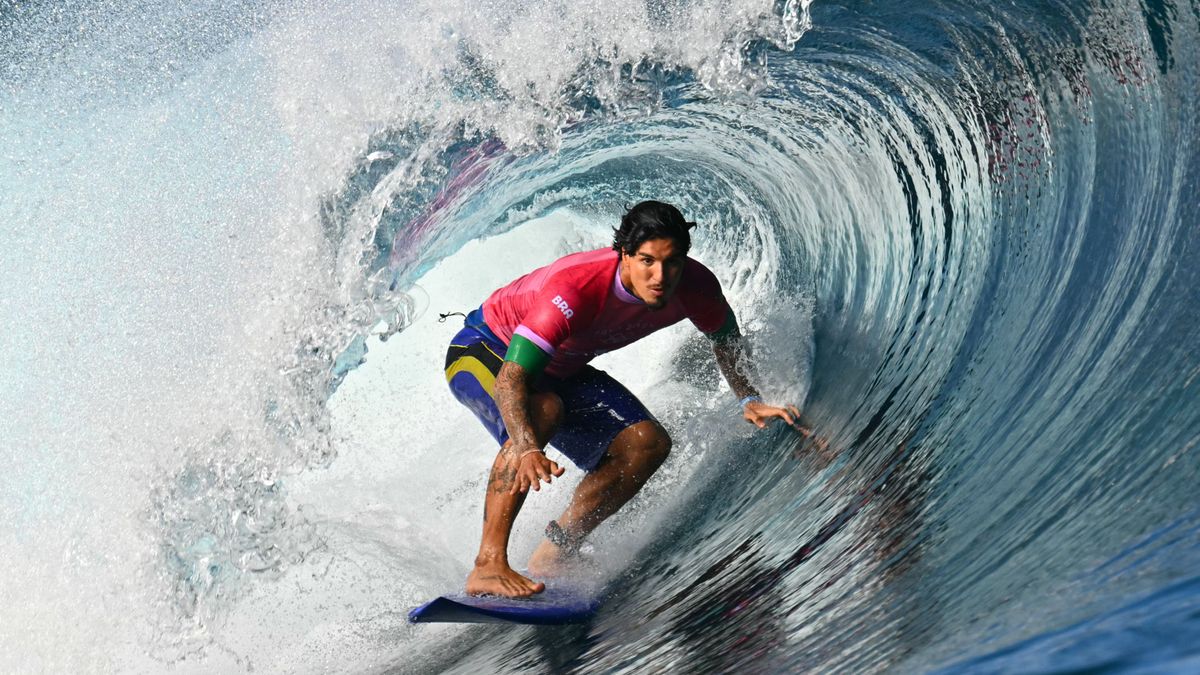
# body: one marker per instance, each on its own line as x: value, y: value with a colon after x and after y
x: 962, y: 234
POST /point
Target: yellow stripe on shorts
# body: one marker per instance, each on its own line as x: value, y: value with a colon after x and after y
x: 475, y: 367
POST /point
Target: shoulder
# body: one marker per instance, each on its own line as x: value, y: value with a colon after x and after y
x: 702, y: 298
x: 700, y: 291
x: 585, y: 263
x: 586, y: 274
x: 576, y: 286
x: 699, y: 280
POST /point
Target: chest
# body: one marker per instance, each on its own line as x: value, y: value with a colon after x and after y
x: 619, y: 324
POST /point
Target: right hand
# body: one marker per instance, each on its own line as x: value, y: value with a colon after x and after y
x: 812, y: 443
x: 533, y: 467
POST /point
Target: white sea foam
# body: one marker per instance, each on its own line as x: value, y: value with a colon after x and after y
x: 172, y: 301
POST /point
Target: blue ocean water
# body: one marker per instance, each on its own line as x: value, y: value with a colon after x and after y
x: 961, y: 235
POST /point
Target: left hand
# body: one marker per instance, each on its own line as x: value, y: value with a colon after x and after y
x: 533, y: 467
x: 759, y: 413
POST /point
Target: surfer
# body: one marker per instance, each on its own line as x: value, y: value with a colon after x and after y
x: 520, y: 364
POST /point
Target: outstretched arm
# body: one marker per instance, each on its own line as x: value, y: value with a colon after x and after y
x: 732, y: 358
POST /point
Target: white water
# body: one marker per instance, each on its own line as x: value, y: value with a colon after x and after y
x: 392, y: 521
x: 161, y: 262
x: 396, y: 516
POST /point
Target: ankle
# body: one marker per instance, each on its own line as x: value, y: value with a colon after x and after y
x: 491, y: 559
x: 567, y: 540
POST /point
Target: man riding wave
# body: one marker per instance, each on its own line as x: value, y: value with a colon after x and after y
x: 520, y: 363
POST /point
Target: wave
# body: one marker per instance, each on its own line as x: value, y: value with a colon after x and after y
x: 959, y: 234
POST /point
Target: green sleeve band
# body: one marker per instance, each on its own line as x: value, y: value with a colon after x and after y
x: 728, y: 330
x: 523, y: 352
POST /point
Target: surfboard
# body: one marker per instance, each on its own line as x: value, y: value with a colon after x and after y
x: 561, y: 603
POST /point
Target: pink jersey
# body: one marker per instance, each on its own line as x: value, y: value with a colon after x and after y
x: 576, y: 308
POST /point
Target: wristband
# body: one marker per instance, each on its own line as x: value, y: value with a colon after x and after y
x: 561, y: 539
x: 752, y: 398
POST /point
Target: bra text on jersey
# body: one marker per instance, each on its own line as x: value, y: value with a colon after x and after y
x: 563, y: 306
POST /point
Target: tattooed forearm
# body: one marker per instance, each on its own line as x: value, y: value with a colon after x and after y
x: 512, y: 398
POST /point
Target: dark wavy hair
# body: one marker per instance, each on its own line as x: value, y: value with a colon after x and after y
x: 651, y: 220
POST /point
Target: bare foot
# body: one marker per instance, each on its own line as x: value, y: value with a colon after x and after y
x: 499, y: 579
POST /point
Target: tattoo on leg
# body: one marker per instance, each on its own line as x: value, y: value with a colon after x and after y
x: 502, y: 479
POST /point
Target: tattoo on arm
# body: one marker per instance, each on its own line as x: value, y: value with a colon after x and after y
x: 512, y: 398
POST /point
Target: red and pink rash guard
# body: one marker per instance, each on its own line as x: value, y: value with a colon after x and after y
x: 576, y: 308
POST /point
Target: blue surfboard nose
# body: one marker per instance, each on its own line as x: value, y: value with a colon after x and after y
x: 558, y: 604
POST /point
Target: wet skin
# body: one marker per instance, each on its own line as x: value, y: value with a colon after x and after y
x: 652, y: 274
x: 515, y: 470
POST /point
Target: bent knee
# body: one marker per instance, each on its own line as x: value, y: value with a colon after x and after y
x: 547, y: 408
x: 646, y: 442
x: 662, y: 443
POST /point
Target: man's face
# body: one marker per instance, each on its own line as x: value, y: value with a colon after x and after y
x: 653, y: 272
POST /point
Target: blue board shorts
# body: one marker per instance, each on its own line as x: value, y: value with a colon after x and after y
x: 596, y: 407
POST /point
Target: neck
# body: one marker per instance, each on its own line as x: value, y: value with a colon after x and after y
x: 622, y: 286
